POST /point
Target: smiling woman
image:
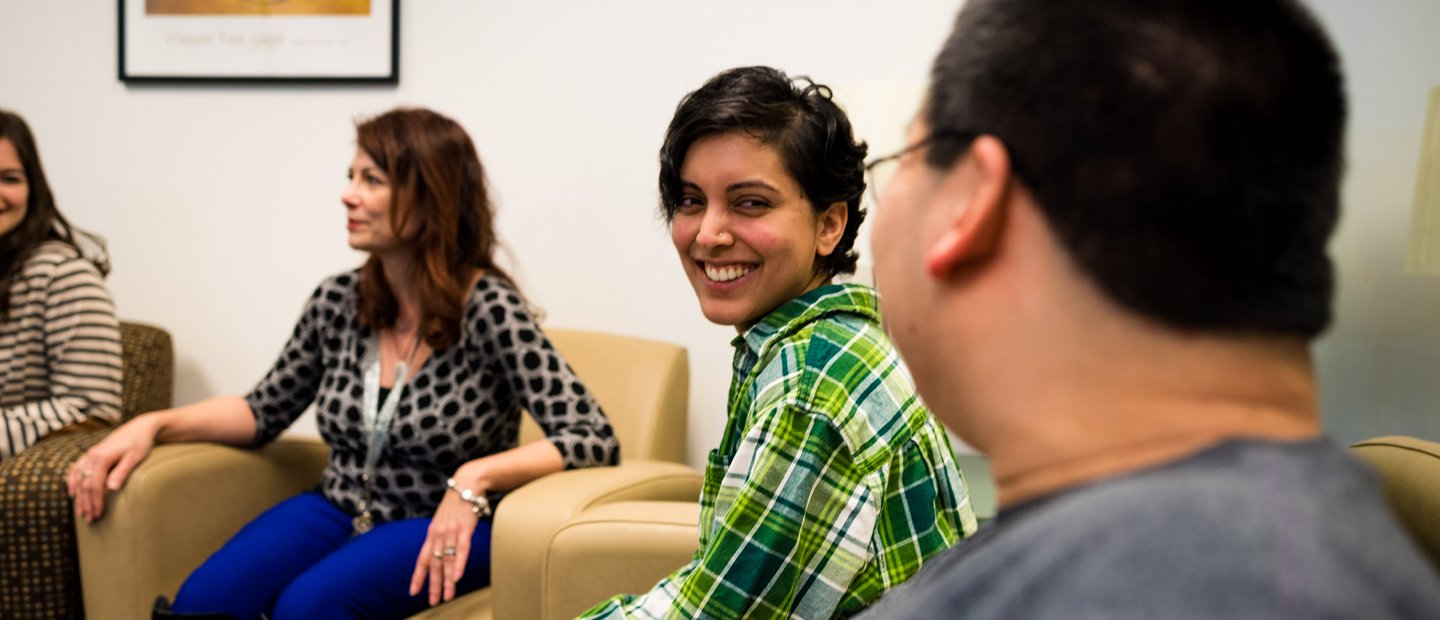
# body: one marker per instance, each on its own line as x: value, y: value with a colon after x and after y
x: 760, y: 180
x: 59, y: 338
x: 748, y: 238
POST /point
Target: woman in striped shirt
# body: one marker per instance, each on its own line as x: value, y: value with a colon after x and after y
x: 59, y: 339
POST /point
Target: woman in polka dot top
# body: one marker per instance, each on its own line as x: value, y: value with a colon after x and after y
x: 418, y: 364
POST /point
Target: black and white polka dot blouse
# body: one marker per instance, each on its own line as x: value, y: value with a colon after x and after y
x: 463, y: 402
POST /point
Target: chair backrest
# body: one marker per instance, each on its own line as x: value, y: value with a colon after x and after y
x: 148, y: 358
x: 1410, y: 476
x: 643, y: 386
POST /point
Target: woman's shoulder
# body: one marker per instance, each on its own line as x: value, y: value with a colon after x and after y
x: 833, y: 344
x: 339, y: 287
x: 850, y: 369
x: 494, y: 295
x: 58, y: 259
x: 492, y: 288
x: 52, y: 254
x: 333, y: 299
x: 496, y: 307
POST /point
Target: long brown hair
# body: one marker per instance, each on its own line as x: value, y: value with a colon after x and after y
x: 437, y: 183
x: 43, y: 221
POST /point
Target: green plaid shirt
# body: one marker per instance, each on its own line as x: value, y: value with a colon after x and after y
x: 832, y: 482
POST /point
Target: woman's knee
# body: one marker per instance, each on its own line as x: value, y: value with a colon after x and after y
x: 316, y: 596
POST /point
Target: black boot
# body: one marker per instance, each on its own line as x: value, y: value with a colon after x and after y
x: 162, y: 612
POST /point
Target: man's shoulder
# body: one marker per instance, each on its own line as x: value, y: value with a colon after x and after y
x: 1247, y: 529
x: 1236, y: 497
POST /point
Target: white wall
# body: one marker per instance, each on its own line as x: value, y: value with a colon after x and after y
x: 221, y: 202
x: 1380, y: 363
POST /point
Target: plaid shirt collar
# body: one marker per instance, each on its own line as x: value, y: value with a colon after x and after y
x: 753, y: 344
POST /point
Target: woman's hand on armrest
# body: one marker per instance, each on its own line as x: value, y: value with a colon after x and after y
x: 446, y: 551
x: 107, y: 464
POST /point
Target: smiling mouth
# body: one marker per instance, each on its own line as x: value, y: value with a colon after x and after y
x: 726, y: 273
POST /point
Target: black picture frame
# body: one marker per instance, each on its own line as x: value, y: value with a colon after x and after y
x: 191, y: 33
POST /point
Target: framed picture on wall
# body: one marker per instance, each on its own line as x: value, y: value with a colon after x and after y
x: 260, y: 41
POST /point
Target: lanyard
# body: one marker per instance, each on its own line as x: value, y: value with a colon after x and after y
x: 377, y: 418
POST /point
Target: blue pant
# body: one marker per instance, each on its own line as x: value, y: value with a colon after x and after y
x: 298, y: 560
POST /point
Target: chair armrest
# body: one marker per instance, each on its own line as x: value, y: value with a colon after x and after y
x: 1409, y: 471
x: 529, y: 518
x: 610, y: 549
x: 179, y: 506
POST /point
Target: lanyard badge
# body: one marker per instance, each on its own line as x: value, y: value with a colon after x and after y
x: 377, y: 420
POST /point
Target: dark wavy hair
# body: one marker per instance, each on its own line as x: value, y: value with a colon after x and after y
x: 797, y: 117
x: 1187, y: 153
x: 43, y: 221
x: 439, y: 193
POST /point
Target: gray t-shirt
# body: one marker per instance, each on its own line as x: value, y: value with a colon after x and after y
x: 1248, y: 529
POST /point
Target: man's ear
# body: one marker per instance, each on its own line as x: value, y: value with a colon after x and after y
x: 984, y: 190
x: 832, y: 227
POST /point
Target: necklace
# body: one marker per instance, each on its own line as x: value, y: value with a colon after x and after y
x: 405, y: 356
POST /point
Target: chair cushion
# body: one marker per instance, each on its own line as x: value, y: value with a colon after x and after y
x: 624, y: 547
x: 39, y: 575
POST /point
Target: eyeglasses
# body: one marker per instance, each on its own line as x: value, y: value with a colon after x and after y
x: 880, y: 170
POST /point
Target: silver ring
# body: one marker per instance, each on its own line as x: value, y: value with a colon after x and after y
x: 87, y: 473
x: 449, y: 551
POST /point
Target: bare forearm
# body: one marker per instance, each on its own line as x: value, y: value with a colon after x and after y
x: 106, y: 465
x: 512, y: 468
x: 226, y: 419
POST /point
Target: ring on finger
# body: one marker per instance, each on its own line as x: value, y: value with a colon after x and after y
x: 87, y: 473
x: 449, y: 552
x: 436, y: 554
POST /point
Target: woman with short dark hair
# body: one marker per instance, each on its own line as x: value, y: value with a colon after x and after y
x: 418, y: 364
x: 832, y: 483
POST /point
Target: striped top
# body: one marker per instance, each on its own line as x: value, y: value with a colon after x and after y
x: 59, y: 348
x: 832, y: 483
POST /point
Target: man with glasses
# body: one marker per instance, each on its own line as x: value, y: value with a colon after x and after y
x: 1103, y: 257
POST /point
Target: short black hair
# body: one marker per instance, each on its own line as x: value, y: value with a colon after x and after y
x: 796, y: 116
x: 1187, y: 153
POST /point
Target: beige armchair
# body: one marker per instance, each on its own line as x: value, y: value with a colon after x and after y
x: 1410, y: 478
x: 186, y: 500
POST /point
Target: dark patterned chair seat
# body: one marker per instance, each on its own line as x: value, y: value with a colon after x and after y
x: 39, y: 573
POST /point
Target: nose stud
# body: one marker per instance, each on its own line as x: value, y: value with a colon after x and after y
x: 719, y: 237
